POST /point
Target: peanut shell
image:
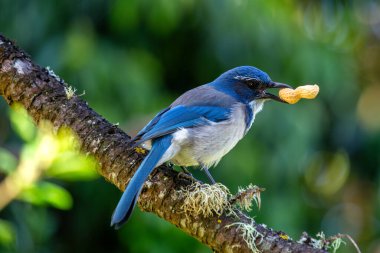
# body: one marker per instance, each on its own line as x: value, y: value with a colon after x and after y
x: 293, y: 96
x: 308, y: 91
x: 289, y: 95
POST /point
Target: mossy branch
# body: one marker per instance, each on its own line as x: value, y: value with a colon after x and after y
x: 46, y: 97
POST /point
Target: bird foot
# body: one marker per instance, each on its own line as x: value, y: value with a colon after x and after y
x: 186, y: 175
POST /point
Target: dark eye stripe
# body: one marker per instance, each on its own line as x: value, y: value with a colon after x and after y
x: 256, y: 85
x: 251, y: 82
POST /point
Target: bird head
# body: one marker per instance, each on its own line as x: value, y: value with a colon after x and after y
x: 250, y: 83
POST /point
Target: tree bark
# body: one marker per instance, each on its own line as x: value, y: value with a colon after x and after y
x: 43, y: 94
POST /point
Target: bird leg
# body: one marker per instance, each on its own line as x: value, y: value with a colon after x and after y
x: 205, y: 169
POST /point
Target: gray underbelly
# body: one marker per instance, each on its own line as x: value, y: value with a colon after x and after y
x: 206, y: 145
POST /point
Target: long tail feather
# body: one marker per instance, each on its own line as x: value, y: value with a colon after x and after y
x: 128, y: 200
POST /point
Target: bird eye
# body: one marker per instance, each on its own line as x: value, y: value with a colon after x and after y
x: 251, y: 84
x: 255, y: 84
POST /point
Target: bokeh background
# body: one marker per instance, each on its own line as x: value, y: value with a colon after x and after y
x: 319, y: 160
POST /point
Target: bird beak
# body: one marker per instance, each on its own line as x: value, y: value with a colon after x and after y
x: 277, y: 86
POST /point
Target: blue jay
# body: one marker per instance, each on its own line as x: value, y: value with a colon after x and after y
x: 199, y: 127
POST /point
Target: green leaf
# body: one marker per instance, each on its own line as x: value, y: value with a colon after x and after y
x: 7, y: 234
x: 8, y: 161
x: 45, y: 193
x: 73, y: 166
x: 22, y: 124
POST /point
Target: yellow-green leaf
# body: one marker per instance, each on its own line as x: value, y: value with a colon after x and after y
x: 22, y: 124
x: 45, y: 193
x: 73, y: 166
x: 8, y: 161
x: 7, y: 234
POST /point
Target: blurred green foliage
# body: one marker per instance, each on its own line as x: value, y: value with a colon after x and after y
x: 42, y: 158
x: 8, y: 161
x: 7, y: 234
x: 319, y: 160
x: 43, y: 193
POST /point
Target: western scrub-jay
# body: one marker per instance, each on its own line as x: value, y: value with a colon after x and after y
x: 199, y: 127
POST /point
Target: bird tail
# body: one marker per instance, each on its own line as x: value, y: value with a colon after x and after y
x: 128, y: 200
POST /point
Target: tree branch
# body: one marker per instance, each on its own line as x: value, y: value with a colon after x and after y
x: 45, y: 97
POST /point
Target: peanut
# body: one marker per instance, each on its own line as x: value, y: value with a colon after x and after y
x: 293, y: 96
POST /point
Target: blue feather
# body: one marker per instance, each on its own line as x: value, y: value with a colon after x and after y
x: 248, y: 116
x: 128, y: 200
x: 245, y: 71
x: 150, y: 125
x: 184, y: 117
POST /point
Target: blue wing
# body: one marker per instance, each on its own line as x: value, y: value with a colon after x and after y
x: 150, y: 125
x: 169, y: 120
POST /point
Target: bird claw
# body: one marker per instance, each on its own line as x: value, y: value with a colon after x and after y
x: 186, y: 175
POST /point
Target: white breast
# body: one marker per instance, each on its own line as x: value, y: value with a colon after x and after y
x: 256, y: 107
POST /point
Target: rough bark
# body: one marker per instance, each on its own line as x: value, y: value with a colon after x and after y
x: 44, y: 96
